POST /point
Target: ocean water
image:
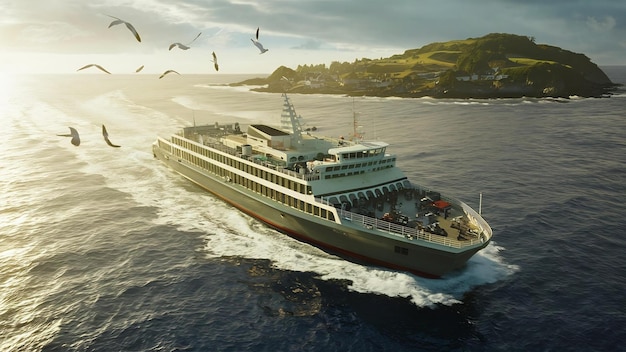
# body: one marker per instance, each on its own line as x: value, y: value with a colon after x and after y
x: 105, y: 249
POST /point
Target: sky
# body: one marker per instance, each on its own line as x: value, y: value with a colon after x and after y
x: 60, y: 36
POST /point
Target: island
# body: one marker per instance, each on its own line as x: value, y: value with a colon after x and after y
x: 497, y: 65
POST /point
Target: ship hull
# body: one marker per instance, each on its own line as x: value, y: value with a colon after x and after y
x: 351, y: 242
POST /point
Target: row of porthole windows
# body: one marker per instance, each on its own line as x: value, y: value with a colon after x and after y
x: 257, y: 187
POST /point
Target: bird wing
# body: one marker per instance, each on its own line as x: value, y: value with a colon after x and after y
x: 128, y: 25
x: 111, y: 144
x: 257, y: 33
x: 94, y: 65
x: 179, y: 45
x: 102, y: 69
x: 194, y: 39
x: 84, y: 67
x: 168, y: 71
x: 75, y: 137
x: 139, y: 69
x: 115, y: 23
x: 133, y: 30
x: 105, y: 134
x: 217, y: 67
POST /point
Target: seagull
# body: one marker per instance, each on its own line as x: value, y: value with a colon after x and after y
x: 179, y: 45
x: 168, y: 71
x: 184, y: 46
x: 128, y: 25
x: 259, y: 45
x: 139, y: 68
x: 105, y: 134
x: 74, y: 134
x: 217, y: 68
x: 194, y: 39
x: 94, y: 65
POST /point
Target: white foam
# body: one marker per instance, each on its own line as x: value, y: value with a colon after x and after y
x: 190, y: 103
x: 241, y: 88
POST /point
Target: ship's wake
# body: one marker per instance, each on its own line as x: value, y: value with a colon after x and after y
x: 241, y: 236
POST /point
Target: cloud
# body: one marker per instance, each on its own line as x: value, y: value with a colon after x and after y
x: 309, y: 45
x: 50, y: 32
x: 338, y: 29
x: 601, y: 25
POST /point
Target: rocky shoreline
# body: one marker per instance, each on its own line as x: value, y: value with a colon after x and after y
x: 466, y: 91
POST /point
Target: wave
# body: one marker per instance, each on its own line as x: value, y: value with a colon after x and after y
x: 238, y: 88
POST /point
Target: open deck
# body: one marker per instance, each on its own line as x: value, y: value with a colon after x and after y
x: 415, y: 219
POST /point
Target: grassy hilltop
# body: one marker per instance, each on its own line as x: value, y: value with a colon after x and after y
x: 496, y: 65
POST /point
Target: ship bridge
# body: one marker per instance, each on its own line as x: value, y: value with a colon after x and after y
x: 370, y: 149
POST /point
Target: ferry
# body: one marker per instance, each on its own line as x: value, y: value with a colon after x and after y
x: 344, y: 195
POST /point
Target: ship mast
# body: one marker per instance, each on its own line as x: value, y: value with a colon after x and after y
x: 356, y: 135
x: 289, y: 121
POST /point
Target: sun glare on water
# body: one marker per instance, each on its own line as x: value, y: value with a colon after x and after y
x: 9, y: 91
x: 7, y: 81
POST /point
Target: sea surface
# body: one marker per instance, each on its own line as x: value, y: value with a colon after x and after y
x: 105, y: 249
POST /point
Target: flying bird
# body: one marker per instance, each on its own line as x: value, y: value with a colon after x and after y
x: 184, y: 46
x: 259, y: 45
x: 128, y: 25
x: 168, y: 71
x: 194, y: 39
x: 74, y: 134
x: 179, y: 45
x: 217, y: 68
x: 139, y: 68
x: 94, y: 65
x: 105, y: 134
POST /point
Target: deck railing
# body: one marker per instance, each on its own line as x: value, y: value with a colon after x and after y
x: 404, y: 231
